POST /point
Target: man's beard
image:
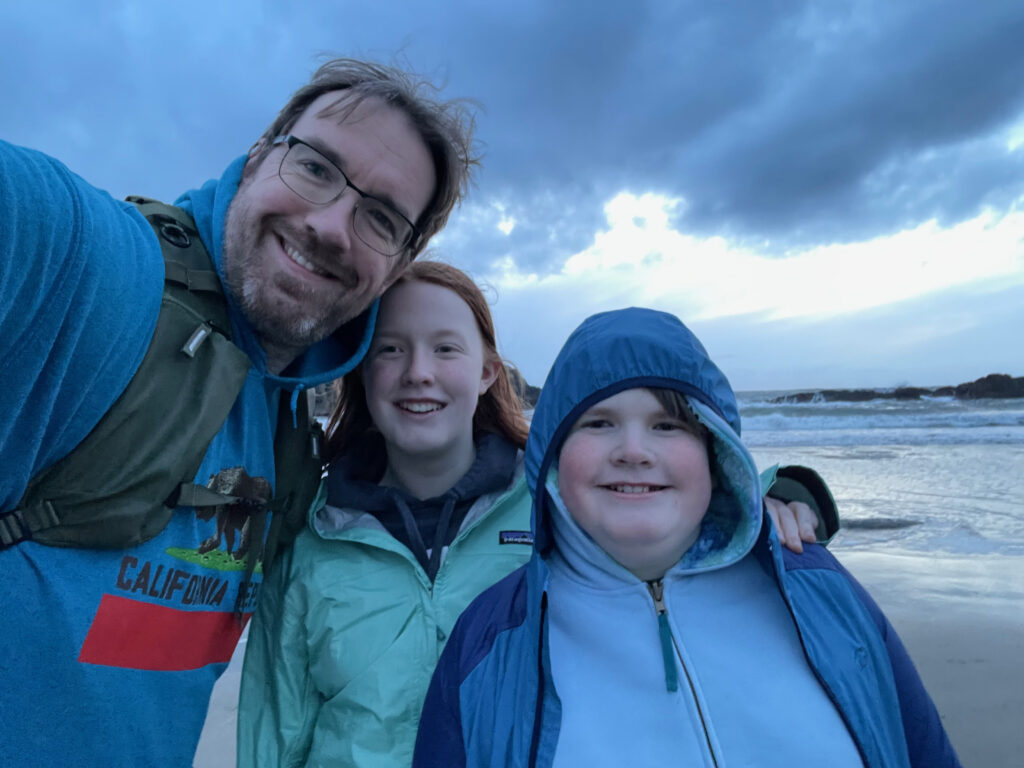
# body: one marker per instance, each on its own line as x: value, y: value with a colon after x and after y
x: 304, y: 315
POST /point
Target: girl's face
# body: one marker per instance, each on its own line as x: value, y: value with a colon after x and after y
x: 425, y: 372
x: 636, y: 480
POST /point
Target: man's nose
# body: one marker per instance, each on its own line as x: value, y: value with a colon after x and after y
x: 333, y: 223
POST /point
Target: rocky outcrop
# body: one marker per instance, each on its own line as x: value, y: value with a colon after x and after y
x: 994, y: 385
x: 526, y: 391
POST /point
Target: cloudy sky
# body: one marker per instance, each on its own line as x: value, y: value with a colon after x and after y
x: 830, y: 193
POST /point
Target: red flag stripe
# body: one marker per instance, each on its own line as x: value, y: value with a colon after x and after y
x: 134, y: 635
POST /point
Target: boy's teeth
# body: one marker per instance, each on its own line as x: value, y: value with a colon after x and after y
x: 421, y: 407
x: 301, y: 260
x: 631, y: 488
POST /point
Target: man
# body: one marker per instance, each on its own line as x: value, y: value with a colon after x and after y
x: 108, y: 655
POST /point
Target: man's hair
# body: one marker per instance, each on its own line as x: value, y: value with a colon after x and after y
x: 499, y: 409
x: 446, y: 127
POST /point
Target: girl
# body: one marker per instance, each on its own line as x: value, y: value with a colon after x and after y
x: 426, y: 506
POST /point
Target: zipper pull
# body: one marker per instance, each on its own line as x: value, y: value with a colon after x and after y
x: 657, y: 590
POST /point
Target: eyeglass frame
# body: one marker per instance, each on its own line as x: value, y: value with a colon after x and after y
x: 290, y: 141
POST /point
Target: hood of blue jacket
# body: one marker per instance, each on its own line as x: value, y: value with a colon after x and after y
x: 326, y: 360
x: 624, y: 349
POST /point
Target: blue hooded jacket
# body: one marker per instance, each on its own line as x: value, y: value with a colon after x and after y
x: 108, y: 657
x: 567, y: 662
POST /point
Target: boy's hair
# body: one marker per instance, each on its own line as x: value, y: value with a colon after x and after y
x: 675, y: 404
x: 446, y: 127
x: 499, y: 410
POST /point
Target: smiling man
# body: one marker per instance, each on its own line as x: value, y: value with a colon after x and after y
x: 145, y: 383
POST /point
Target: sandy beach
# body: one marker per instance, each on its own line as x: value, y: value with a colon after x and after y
x: 961, y: 618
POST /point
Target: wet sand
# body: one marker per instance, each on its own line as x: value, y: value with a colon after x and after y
x: 961, y: 619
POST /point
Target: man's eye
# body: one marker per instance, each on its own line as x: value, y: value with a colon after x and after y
x: 316, y: 170
x: 383, y: 222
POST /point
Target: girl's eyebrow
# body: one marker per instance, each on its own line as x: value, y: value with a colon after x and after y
x: 447, y: 333
x: 444, y: 333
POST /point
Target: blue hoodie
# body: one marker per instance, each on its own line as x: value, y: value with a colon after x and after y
x: 568, y: 662
x: 108, y: 657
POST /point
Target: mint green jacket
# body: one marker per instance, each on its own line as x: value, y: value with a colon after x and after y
x: 349, y: 629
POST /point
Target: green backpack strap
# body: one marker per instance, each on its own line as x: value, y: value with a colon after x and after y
x: 299, y: 468
x: 120, y: 485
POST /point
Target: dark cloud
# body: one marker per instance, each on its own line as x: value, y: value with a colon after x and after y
x: 781, y: 122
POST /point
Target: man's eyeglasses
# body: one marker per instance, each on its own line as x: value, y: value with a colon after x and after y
x: 310, y: 175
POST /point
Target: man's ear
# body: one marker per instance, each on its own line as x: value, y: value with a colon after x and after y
x: 490, y: 374
x: 252, y: 157
x: 256, y: 148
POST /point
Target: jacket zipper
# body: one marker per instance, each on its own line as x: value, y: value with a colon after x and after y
x: 670, y: 652
x: 464, y: 533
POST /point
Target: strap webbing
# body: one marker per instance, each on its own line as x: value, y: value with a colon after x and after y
x: 18, y: 525
x: 192, y: 495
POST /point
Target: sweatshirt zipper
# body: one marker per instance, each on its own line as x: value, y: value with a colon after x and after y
x: 669, y: 654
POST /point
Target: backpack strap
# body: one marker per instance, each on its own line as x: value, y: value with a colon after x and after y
x: 298, y: 468
x: 119, y: 486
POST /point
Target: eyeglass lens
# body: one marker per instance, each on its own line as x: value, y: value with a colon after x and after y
x: 312, y: 176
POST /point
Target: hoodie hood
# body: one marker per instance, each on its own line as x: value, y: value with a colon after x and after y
x: 326, y: 360
x: 625, y: 349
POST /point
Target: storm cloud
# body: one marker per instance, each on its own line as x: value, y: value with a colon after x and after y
x: 779, y: 124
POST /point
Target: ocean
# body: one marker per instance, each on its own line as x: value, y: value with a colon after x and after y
x: 936, y: 475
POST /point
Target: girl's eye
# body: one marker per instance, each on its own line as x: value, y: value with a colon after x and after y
x: 446, y: 349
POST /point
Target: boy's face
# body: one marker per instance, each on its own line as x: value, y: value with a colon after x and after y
x: 636, y: 481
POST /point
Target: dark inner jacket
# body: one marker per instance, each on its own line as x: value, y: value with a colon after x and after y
x: 352, y: 483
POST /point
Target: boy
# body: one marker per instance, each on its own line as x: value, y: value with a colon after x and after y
x: 659, y: 622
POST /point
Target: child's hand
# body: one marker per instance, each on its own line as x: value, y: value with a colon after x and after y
x: 795, y: 522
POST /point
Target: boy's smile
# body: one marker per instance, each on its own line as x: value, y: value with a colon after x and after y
x: 636, y: 480
x: 632, y: 489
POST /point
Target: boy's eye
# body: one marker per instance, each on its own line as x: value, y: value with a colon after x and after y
x: 595, y: 423
x: 669, y: 426
x: 386, y: 349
